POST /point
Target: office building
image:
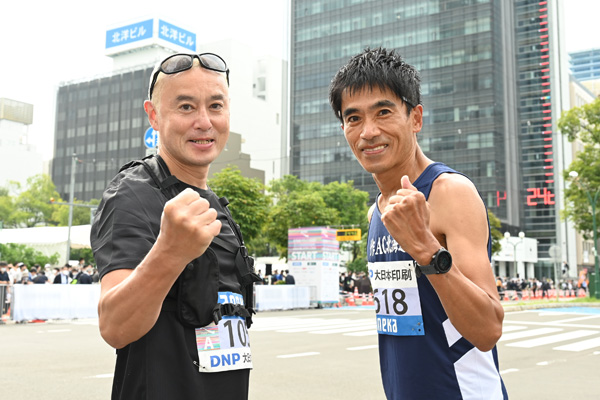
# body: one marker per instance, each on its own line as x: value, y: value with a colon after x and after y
x: 491, y: 85
x: 585, y: 67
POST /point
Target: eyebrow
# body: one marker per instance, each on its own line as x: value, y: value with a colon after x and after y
x: 377, y: 105
x: 185, y: 97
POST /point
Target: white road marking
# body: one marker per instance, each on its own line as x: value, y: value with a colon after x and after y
x: 580, y: 346
x: 552, y: 339
x: 372, y: 346
x: 511, y: 328
x: 310, y: 353
x: 364, y: 333
x: 508, y: 371
x: 530, y: 333
x: 360, y: 327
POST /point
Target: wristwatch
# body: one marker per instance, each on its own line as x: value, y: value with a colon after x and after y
x: 440, y: 264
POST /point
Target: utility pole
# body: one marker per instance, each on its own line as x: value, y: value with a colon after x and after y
x: 71, y: 198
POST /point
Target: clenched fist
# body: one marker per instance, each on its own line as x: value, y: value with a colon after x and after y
x: 187, y: 227
x: 406, y: 217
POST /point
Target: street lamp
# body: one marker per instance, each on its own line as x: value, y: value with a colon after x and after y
x: 515, y: 244
x: 593, y: 201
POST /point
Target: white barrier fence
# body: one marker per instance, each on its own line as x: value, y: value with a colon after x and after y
x: 281, y: 297
x: 31, y: 302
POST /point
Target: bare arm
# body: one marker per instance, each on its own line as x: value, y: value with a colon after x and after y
x: 454, y: 218
x: 130, y: 300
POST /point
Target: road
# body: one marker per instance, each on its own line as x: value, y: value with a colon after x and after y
x: 326, y: 354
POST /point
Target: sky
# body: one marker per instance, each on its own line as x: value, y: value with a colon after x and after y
x: 62, y: 40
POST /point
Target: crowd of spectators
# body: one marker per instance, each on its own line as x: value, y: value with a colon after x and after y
x: 21, y: 274
x: 538, y: 288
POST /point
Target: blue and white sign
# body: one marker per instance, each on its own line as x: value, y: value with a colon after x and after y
x: 129, y: 33
x: 176, y: 35
x: 151, y: 138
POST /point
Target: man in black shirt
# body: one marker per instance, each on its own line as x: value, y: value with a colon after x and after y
x: 169, y: 254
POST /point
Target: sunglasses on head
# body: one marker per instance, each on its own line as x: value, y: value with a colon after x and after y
x: 182, y: 62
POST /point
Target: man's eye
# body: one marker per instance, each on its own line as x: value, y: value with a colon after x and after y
x: 384, y: 112
x: 352, y: 118
x: 186, y: 107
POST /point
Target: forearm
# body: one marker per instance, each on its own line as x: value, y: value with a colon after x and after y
x: 475, y: 314
x: 130, y: 308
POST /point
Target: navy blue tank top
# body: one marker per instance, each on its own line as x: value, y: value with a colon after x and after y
x: 422, y: 355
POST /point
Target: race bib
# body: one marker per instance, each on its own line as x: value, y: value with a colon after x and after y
x: 396, y: 297
x: 226, y: 346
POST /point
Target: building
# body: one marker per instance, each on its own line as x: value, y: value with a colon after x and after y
x: 585, y: 67
x: 101, y: 122
x: 491, y: 85
x: 19, y: 159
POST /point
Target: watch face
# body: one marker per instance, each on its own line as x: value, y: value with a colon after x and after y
x: 444, y: 261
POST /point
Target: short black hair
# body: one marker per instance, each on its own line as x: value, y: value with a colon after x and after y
x: 376, y: 68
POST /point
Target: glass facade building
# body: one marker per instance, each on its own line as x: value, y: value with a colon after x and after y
x: 585, y: 65
x: 483, y: 87
x: 102, y: 122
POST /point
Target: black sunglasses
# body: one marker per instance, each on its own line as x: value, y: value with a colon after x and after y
x: 182, y: 62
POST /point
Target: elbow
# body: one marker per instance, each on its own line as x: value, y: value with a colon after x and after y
x: 112, y: 337
x: 493, y: 332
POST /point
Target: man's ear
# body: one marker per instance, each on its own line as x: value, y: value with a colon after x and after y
x: 417, y: 118
x: 152, y: 114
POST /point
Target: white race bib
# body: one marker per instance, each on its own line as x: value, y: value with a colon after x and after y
x: 226, y: 346
x: 396, y: 297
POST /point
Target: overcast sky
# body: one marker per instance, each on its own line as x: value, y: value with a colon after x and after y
x: 56, y: 41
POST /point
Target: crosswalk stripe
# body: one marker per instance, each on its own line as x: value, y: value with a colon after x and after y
x: 363, y: 333
x: 510, y: 328
x: 552, y: 339
x: 345, y: 329
x: 580, y: 346
x: 323, y: 325
x: 528, y: 333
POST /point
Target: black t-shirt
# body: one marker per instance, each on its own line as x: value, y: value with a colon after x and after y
x: 159, y: 365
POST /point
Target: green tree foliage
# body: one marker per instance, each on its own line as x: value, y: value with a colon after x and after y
x: 582, y: 124
x: 497, y: 236
x: 32, y: 206
x: 303, y: 204
x: 248, y: 202
x: 81, y: 214
x: 14, y: 253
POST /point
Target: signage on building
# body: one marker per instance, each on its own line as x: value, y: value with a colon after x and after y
x: 176, y: 35
x: 155, y: 31
x: 129, y: 33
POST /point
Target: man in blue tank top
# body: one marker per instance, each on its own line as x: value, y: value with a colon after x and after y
x: 437, y: 310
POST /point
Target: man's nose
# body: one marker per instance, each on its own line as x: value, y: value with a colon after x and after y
x: 370, y: 129
x: 203, y: 121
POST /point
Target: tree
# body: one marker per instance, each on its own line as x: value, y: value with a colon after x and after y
x: 32, y: 206
x: 249, y: 205
x: 582, y: 124
x: 81, y: 214
x: 497, y: 236
x: 14, y: 253
x: 302, y: 204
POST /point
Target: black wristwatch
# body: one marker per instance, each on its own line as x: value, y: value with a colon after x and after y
x: 440, y: 264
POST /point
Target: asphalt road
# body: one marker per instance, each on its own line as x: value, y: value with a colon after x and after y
x: 319, y: 354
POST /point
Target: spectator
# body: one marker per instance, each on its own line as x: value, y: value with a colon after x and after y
x: 63, y: 278
x: 41, y: 278
x: 4, y: 277
x: 348, y: 283
x: 85, y: 277
x: 25, y: 277
x: 289, y: 278
x: 363, y: 284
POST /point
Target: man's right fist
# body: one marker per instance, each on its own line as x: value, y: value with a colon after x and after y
x: 188, y: 226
